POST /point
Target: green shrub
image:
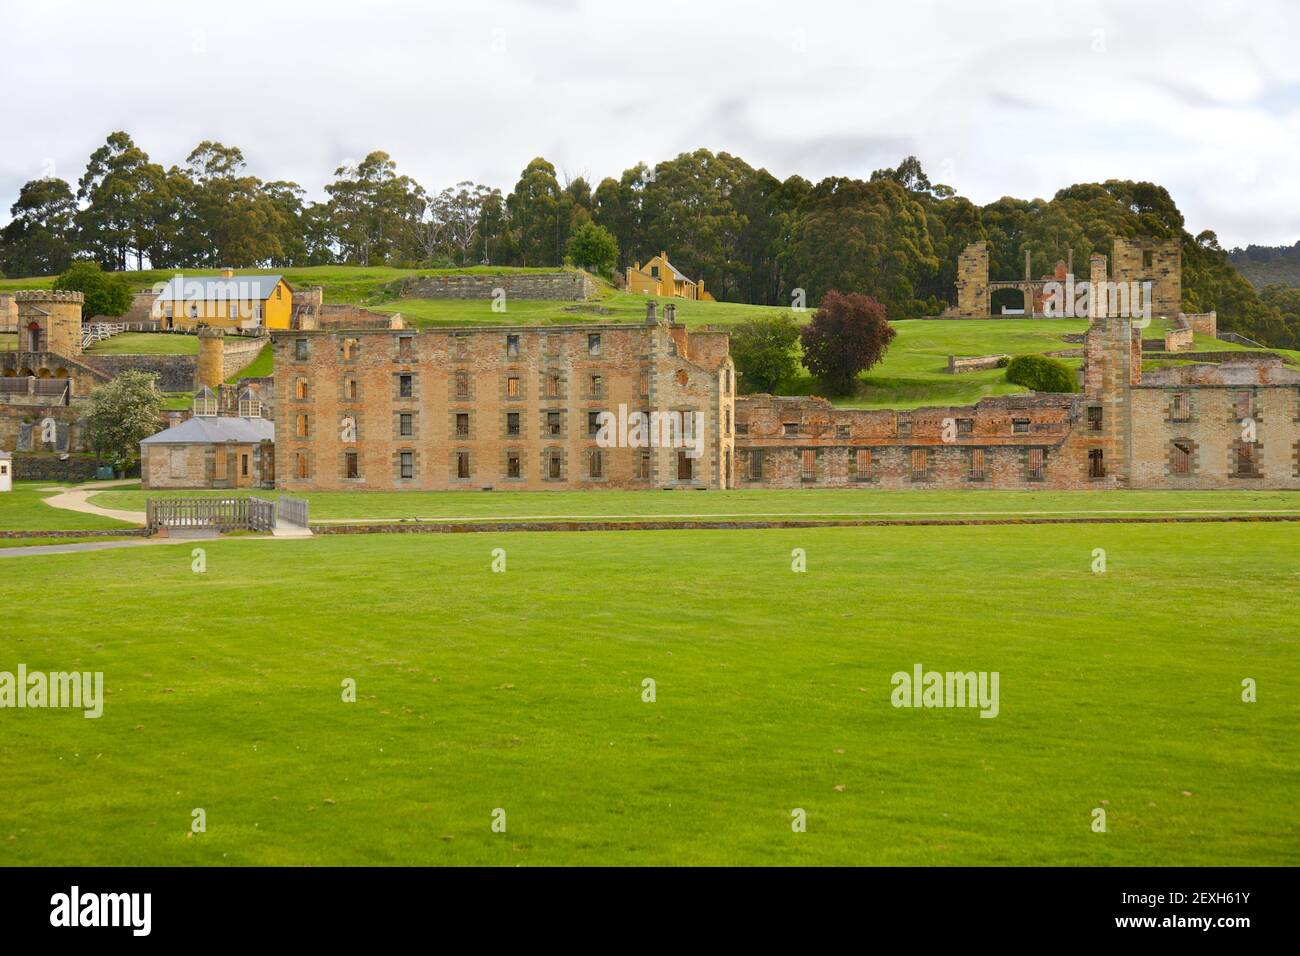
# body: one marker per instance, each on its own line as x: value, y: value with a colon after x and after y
x: 1041, y: 373
x: 1004, y: 361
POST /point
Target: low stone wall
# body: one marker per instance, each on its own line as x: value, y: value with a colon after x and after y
x: 973, y: 363
x: 1203, y: 323
x: 36, y: 466
x: 175, y: 372
x: 355, y: 317
x: 553, y: 286
x: 178, y: 373
x: 37, y: 536
x: 239, y: 351
x: 1179, y: 340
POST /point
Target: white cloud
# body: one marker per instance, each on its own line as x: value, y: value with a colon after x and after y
x: 1001, y: 99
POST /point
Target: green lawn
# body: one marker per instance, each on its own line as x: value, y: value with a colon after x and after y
x: 812, y: 503
x: 523, y: 691
x: 262, y: 364
x: 24, y: 510
x: 147, y: 343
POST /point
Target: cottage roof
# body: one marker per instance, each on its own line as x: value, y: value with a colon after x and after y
x: 243, y: 288
x: 207, y: 430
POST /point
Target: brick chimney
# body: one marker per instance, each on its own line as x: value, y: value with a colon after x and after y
x: 650, y: 313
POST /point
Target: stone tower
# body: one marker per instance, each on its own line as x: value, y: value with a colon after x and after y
x: 49, y: 321
x: 973, y: 281
x: 1112, y: 364
x: 212, y: 362
x: 1158, y: 261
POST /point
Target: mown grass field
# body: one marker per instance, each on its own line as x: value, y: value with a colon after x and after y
x: 806, y: 503
x: 523, y: 691
x: 23, y: 509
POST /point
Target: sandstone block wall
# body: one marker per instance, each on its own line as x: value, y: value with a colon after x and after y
x: 565, y: 285
x: 528, y: 394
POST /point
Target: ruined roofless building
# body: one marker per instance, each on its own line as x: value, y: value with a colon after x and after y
x: 505, y: 407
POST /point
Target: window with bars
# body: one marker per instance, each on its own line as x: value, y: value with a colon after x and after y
x: 1247, y: 460
x: 808, y: 464
x: 920, y: 461
x: 756, y: 464
x: 1180, y: 458
x: 977, y: 464
x: 462, y: 385
x: 512, y: 386
x: 861, y: 463
x: 1096, y: 463
x: 406, y: 425
x: 351, y: 467
x: 406, y: 464
x: 1094, y: 418
x: 462, y: 464
x: 405, y: 347
x: 513, y: 467
x: 1034, y: 469
x: 1181, y: 410
x: 1020, y: 426
x: 462, y: 424
x: 554, y: 465
x: 512, y: 424
x: 685, y: 467
x: 553, y: 423
x: 1243, y: 404
x: 552, y: 384
x: 405, y: 386
x: 596, y: 463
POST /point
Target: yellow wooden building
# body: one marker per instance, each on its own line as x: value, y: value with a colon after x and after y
x: 659, y: 277
x: 228, y: 301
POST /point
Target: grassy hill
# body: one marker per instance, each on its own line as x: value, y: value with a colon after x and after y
x: 913, y: 372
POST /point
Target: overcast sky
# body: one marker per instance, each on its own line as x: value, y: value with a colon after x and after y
x: 995, y: 98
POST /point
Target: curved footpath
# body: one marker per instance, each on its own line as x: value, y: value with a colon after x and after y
x: 78, y: 499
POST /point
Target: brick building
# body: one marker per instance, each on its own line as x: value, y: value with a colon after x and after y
x: 1235, y: 424
x: 513, y: 407
x: 503, y: 407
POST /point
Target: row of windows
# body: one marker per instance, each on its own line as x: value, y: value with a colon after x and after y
x: 861, y: 463
x: 963, y: 426
x: 552, y: 386
x: 350, y: 348
x: 553, y: 424
x: 595, y: 463
x: 1245, y: 404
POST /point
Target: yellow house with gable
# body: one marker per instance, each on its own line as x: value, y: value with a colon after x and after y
x: 243, y: 302
x: 659, y: 277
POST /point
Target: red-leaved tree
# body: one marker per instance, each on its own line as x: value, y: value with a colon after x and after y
x: 847, y: 335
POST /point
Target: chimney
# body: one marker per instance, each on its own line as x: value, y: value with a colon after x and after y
x: 650, y: 313
x: 670, y: 313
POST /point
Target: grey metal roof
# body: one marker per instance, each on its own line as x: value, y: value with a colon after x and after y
x: 209, y: 429
x: 209, y: 288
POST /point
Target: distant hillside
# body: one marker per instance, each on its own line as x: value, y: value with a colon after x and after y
x: 1268, y: 265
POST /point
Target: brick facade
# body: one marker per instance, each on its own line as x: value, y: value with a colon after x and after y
x: 496, y: 407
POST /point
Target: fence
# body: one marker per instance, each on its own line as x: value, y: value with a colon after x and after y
x: 292, y: 511
x: 217, y: 514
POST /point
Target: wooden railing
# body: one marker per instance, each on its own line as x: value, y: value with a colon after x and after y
x: 292, y: 511
x: 217, y: 514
